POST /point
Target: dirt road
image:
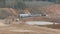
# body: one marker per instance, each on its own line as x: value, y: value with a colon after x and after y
x: 27, y: 29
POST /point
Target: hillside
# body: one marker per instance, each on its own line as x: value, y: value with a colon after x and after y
x: 52, y: 9
x: 4, y: 12
x: 35, y: 6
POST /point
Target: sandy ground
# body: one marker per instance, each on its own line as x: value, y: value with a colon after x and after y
x: 26, y: 29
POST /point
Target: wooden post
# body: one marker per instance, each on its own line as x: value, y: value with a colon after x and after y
x: 54, y: 23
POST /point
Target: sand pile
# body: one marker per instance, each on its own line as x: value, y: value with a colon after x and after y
x: 34, y: 29
x: 2, y: 24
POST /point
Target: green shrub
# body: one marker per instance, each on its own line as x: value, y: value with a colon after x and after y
x: 20, y: 5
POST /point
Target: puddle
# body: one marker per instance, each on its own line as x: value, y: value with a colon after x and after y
x: 39, y: 23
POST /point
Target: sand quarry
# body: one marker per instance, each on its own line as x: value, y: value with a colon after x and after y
x: 25, y: 29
